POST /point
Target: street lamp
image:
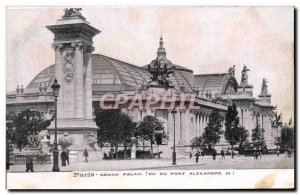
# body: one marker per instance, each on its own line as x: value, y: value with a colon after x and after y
x: 174, y: 151
x: 55, y: 87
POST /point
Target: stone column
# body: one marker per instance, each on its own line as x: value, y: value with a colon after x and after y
x: 133, y: 148
x: 205, y: 118
x: 196, y: 129
x: 78, y: 79
x: 59, y: 74
x: 87, y: 76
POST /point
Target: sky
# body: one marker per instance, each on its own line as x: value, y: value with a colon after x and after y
x: 204, y: 39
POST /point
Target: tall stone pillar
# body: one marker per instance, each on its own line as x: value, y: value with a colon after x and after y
x: 73, y: 45
x: 87, y: 82
x: 79, y: 66
x: 59, y: 74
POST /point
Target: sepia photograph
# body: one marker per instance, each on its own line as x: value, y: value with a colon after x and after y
x: 110, y: 97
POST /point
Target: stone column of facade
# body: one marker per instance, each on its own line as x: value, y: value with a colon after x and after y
x: 170, y: 126
x: 184, y: 128
x: 67, y: 84
x: 205, y: 121
x: 177, y: 127
x: 197, y: 124
x: 88, y: 82
x: 193, y: 131
x: 271, y: 130
x: 201, y: 123
x: 187, y: 126
x: 180, y: 126
x: 133, y: 148
x: 253, y: 125
x: 247, y: 118
x: 78, y: 79
x: 59, y: 74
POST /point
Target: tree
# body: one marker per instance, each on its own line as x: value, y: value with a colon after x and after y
x: 148, y: 130
x: 212, y: 132
x: 115, y: 128
x: 258, y: 136
x: 287, y: 137
x: 232, y: 132
x: 27, y: 125
x: 198, y: 142
x: 243, y: 137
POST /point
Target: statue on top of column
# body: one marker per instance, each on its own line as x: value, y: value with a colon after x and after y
x: 231, y: 71
x: 244, y: 77
x: 264, y: 86
x: 72, y: 12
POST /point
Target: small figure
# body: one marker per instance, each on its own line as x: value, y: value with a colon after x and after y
x: 277, y: 152
x: 214, y: 154
x: 289, y: 151
x: 255, y: 155
x: 67, y: 156
x: 222, y: 154
x: 111, y: 154
x: 104, y: 155
x: 197, y: 156
x: 85, y: 154
x: 191, y: 155
x: 29, y: 163
x: 63, y: 157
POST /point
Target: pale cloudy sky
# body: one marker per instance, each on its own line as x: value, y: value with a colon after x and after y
x: 204, y: 39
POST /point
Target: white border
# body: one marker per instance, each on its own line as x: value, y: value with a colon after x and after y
x: 4, y: 3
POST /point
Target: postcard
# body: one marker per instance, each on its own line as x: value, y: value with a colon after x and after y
x: 156, y: 97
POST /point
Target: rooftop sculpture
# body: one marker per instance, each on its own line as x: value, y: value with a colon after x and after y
x: 161, y: 69
x: 264, y: 86
x: 244, y: 78
x: 72, y: 12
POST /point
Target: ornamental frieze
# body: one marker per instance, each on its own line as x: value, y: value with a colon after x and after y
x: 69, y: 66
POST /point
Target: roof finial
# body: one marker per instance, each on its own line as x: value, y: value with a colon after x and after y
x: 161, y: 52
x: 161, y: 42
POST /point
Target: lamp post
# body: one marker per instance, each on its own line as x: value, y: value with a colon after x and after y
x: 55, y: 87
x: 174, y: 151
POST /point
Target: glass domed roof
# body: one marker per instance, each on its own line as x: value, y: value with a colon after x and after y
x: 111, y: 75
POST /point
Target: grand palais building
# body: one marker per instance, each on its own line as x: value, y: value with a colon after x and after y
x: 86, y: 77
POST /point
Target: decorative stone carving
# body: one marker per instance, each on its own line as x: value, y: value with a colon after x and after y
x: 45, y: 87
x: 77, y: 45
x: 161, y: 69
x: 229, y: 88
x: 57, y: 46
x: 89, y: 49
x: 22, y: 89
x: 68, y: 66
x: 18, y: 89
x: 264, y: 86
x: 72, y: 12
x: 231, y: 71
x: 244, y: 77
x: 182, y: 88
x: 41, y: 88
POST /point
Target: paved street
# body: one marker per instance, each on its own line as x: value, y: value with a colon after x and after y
x: 242, y: 162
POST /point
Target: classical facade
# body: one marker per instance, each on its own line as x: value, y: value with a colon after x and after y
x: 88, y: 79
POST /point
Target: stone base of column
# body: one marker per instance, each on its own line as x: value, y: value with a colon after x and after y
x: 73, y: 124
x: 79, y: 129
